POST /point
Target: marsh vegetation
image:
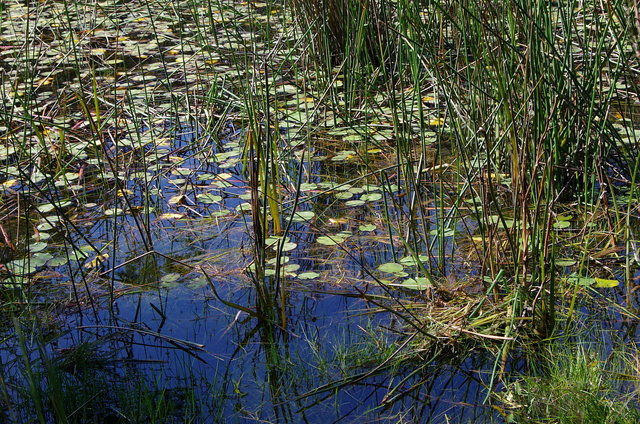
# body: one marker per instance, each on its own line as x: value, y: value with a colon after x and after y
x: 319, y: 211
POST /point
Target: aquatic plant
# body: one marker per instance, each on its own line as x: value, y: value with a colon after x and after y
x: 462, y: 174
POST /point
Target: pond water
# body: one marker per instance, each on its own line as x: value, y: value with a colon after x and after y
x: 135, y: 300
x: 132, y: 279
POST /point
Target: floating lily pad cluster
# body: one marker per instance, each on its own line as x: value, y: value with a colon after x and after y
x: 122, y: 114
x: 399, y: 269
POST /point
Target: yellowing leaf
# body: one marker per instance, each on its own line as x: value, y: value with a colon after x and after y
x: 43, y: 81
x: 171, y: 216
x: 97, y: 261
x: 601, y: 282
x: 436, y: 122
x: 176, y: 199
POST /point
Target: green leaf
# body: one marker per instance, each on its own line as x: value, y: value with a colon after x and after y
x: 565, y: 262
x: 46, y: 208
x: 170, y: 278
x: 208, y: 198
x: 367, y: 227
x: 291, y: 268
x: 561, y: 224
x: 445, y: 232
x: 288, y: 246
x: 303, y: 216
x: 354, y: 203
x: 343, y: 195
x: 371, y: 197
x: 418, y: 283
x: 328, y: 241
x: 308, y: 275
x: 411, y: 261
x: 244, y: 207
x: 283, y: 260
x: 391, y: 268
x: 37, y: 246
x: 57, y: 261
x: 113, y: 211
x: 581, y: 281
x: 40, y: 259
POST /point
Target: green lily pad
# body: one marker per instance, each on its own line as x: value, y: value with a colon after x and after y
x: 411, y: 261
x: 367, y: 227
x: 40, y: 259
x: 291, y: 268
x: 329, y: 241
x: 371, y: 197
x: 113, y: 212
x: 283, y: 260
x: 288, y: 246
x: 310, y: 275
x: 343, y: 195
x: 354, y: 203
x: 581, y: 281
x: 565, y: 262
x: 391, y: 268
x: 418, y: 283
x: 57, y: 261
x: 46, y: 208
x: 37, y: 246
x: 170, y: 278
x: 561, y: 224
x: 208, y: 198
x: 303, y: 216
x: 244, y: 207
x: 446, y: 232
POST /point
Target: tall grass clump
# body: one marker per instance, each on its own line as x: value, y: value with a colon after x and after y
x: 529, y: 109
x: 347, y: 29
x: 530, y: 90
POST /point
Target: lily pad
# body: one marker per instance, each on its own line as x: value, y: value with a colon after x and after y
x: 329, y: 241
x: 371, y: 197
x: 367, y: 227
x: 303, y: 216
x: 354, y: 203
x: 411, y: 261
x: 561, y: 224
x: 37, y: 246
x: 170, y: 278
x: 391, y: 268
x: 580, y: 280
x: 418, y: 283
x: 565, y: 262
x: 288, y: 246
x: 604, y: 283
